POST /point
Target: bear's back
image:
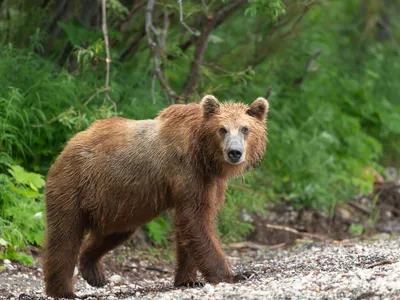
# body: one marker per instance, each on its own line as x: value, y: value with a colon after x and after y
x: 114, y: 148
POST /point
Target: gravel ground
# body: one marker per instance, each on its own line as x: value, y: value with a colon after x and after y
x: 351, y: 270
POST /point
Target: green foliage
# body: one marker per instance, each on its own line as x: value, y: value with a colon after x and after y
x: 116, y: 7
x: 356, y: 229
x: 36, y: 41
x: 42, y: 107
x: 159, y: 229
x: 243, y: 198
x: 11, y: 254
x: 33, y: 180
x: 21, y: 208
x: 275, y: 8
x: 77, y: 34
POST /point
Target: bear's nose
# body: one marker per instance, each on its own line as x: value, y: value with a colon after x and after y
x: 234, y: 154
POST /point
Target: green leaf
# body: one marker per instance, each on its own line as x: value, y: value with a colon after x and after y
x: 158, y: 230
x: 33, y: 180
x: 21, y: 257
x: 77, y: 33
x: 215, y: 39
x: 356, y: 229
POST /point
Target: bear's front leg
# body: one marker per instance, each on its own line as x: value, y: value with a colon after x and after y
x: 186, y: 270
x: 196, y: 227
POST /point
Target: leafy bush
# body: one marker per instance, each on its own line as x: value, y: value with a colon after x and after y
x: 159, y: 229
x: 21, y: 212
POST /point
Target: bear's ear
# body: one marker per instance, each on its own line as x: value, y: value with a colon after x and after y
x: 259, y: 109
x: 209, y: 105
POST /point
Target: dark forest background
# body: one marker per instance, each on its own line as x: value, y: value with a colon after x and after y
x: 330, y: 69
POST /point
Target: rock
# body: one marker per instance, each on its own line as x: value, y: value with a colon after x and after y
x: 24, y: 296
x: 246, y: 216
x: 116, y: 289
x: 8, y: 265
x: 208, y: 288
x: 116, y: 278
x: 320, y: 271
x: 344, y: 213
x: 140, y: 238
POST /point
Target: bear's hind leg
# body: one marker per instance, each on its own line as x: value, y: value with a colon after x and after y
x: 63, y: 240
x: 93, y: 250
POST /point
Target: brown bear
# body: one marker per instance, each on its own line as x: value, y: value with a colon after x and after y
x: 119, y: 174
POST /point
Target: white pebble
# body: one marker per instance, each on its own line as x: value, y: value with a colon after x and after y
x: 208, y: 288
x: 116, y: 278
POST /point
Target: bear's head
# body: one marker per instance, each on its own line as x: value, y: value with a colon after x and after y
x: 236, y: 133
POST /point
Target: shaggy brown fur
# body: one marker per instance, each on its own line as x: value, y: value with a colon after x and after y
x: 120, y: 174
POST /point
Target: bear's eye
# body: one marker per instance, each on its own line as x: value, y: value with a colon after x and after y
x: 223, y: 131
x: 245, y: 130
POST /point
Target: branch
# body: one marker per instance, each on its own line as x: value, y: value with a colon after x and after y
x: 153, y: 87
x: 381, y: 263
x: 390, y: 33
x: 163, y: 39
x: 229, y: 7
x: 311, y: 63
x: 268, y: 93
x: 47, y: 123
x: 223, y: 13
x: 292, y: 230
x: 155, y: 49
x: 263, y: 50
x: 181, y: 19
x: 226, y: 10
x: 108, y: 56
x: 205, y: 6
x: 134, y: 9
x: 309, y: 67
x: 57, y: 118
x: 135, y: 43
x: 44, y: 3
x: 194, y: 75
x: 360, y: 207
x: 94, y: 95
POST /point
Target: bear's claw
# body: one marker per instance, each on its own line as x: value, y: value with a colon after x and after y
x: 94, y: 275
x: 190, y: 284
x: 245, y: 275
